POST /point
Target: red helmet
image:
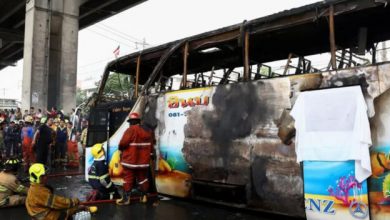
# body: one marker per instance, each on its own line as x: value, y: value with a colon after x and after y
x: 134, y: 115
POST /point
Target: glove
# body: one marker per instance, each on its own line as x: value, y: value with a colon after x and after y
x: 75, y: 201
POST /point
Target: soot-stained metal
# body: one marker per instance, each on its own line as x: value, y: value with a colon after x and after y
x: 238, y: 109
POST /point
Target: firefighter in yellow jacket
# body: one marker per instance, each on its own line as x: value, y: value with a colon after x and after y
x: 41, y: 203
x: 12, y: 192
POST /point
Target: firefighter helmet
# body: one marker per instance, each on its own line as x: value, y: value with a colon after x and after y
x: 28, y: 119
x: 36, y: 171
x: 97, y: 151
x: 43, y: 120
x: 133, y: 115
x: 11, y: 164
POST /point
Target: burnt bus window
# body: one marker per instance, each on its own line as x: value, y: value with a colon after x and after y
x: 118, y: 114
x: 118, y: 87
x: 100, y: 118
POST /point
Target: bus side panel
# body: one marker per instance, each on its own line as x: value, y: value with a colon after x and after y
x: 174, y: 173
x: 234, y: 146
x: 379, y: 182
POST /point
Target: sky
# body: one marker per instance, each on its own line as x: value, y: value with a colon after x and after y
x: 153, y: 22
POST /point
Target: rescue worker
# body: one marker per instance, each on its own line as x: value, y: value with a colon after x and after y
x: 136, y: 145
x: 98, y: 176
x: 41, y: 203
x: 27, y: 136
x: 12, y: 192
x: 43, y: 140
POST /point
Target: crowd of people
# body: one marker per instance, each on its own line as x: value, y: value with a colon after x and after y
x: 43, y: 137
x: 37, y: 137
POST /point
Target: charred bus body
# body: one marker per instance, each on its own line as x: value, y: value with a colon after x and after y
x: 221, y: 115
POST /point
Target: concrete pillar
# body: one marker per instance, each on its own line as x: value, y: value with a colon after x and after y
x: 50, y: 54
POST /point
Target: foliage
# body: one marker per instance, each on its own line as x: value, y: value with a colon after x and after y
x: 81, y: 96
x: 118, y: 86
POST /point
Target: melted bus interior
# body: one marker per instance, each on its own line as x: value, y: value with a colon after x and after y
x: 280, y: 44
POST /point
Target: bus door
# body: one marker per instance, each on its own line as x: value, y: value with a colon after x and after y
x: 98, y: 126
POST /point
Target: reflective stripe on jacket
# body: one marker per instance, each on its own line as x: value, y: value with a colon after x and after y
x: 9, y: 185
x: 136, y: 145
x: 41, y: 203
x: 98, y: 175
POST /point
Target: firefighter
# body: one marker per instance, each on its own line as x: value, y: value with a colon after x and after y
x: 12, y: 192
x: 41, y: 203
x: 136, y: 146
x: 27, y: 138
x: 98, y: 176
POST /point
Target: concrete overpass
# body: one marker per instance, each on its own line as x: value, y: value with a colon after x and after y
x: 45, y: 33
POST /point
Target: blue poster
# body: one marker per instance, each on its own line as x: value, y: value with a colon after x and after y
x: 332, y: 191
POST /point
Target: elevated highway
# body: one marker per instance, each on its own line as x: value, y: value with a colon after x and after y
x: 12, y: 22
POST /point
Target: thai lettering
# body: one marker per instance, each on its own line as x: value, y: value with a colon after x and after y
x: 176, y: 102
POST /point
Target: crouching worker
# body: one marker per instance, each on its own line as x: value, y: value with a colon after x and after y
x: 99, y: 178
x: 41, y: 203
x: 12, y: 192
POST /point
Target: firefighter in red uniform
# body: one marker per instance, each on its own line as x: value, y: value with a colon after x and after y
x: 136, y: 146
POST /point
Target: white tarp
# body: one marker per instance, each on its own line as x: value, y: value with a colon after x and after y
x: 332, y: 125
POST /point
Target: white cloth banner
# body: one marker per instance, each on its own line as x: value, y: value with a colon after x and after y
x: 332, y: 125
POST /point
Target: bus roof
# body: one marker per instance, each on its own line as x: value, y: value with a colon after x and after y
x: 303, y: 31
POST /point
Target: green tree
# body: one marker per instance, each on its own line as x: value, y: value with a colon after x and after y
x: 81, y: 96
x: 118, y: 86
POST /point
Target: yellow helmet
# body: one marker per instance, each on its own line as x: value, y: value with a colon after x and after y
x: 28, y: 119
x: 43, y: 120
x: 36, y: 171
x: 97, y: 151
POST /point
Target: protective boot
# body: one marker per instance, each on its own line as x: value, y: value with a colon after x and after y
x: 125, y: 200
x: 143, y: 198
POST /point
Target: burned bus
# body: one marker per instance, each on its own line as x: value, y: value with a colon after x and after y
x: 221, y: 110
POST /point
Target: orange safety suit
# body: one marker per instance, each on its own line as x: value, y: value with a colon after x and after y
x: 136, y: 146
x: 42, y: 204
x: 12, y: 192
